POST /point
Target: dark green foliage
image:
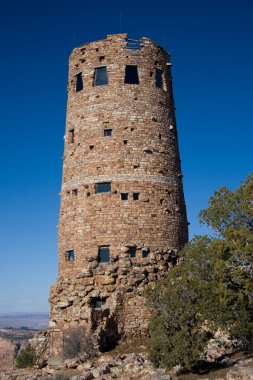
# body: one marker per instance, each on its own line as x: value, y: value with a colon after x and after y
x: 230, y: 208
x: 211, y: 288
x: 26, y: 358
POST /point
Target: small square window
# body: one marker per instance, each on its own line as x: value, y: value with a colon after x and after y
x: 159, y: 78
x: 104, y: 255
x: 144, y: 253
x: 74, y: 192
x: 103, y: 187
x: 101, y: 77
x: 136, y: 196
x: 132, y: 252
x: 124, y: 196
x: 107, y: 132
x: 131, y: 74
x: 70, y: 255
x: 79, y: 82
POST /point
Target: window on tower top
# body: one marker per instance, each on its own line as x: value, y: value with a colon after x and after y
x: 79, y: 82
x: 101, y: 77
x: 124, y: 196
x: 131, y: 74
x: 159, y: 78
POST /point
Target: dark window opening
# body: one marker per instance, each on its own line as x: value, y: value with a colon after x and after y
x: 70, y: 255
x: 104, y: 255
x: 160, y: 137
x: 125, y: 142
x: 144, y: 253
x: 107, y: 132
x: 103, y: 187
x: 136, y: 196
x: 71, y: 136
x: 132, y: 129
x: 91, y: 147
x: 97, y: 49
x: 132, y: 252
x: 74, y: 192
x: 98, y: 302
x: 159, y: 78
x: 102, y: 58
x: 79, y: 82
x: 151, y: 74
x: 124, y: 196
x: 131, y: 74
x: 101, y: 77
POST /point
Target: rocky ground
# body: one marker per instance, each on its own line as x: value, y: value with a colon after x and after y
x: 129, y: 367
x: 129, y: 362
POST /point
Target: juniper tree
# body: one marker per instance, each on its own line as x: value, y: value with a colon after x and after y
x: 211, y: 288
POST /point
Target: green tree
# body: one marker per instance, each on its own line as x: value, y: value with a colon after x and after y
x: 211, y: 288
x: 26, y: 357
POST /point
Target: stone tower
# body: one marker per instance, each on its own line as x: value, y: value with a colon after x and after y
x: 122, y: 215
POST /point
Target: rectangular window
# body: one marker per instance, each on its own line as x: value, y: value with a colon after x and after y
x: 103, y: 187
x: 136, y: 196
x: 101, y: 77
x: 70, y: 255
x: 104, y: 255
x: 132, y: 252
x: 124, y: 196
x: 144, y: 253
x: 107, y: 132
x: 159, y: 78
x: 131, y: 74
x: 79, y: 82
x: 71, y: 136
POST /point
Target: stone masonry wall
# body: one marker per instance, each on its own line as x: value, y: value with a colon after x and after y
x: 139, y: 158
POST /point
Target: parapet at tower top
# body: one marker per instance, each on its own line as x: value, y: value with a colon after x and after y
x: 130, y: 44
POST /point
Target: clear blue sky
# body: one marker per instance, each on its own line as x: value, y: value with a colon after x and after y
x: 212, y: 54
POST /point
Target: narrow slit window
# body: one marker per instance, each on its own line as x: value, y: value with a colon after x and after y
x: 159, y: 78
x: 103, y: 187
x: 70, y: 255
x: 79, y: 82
x: 107, y: 132
x: 136, y: 196
x: 124, y: 196
x: 104, y: 255
x: 71, y: 136
x: 131, y: 74
x: 132, y: 252
x: 101, y: 77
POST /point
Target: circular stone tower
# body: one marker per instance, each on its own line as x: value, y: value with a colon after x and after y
x: 122, y: 217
